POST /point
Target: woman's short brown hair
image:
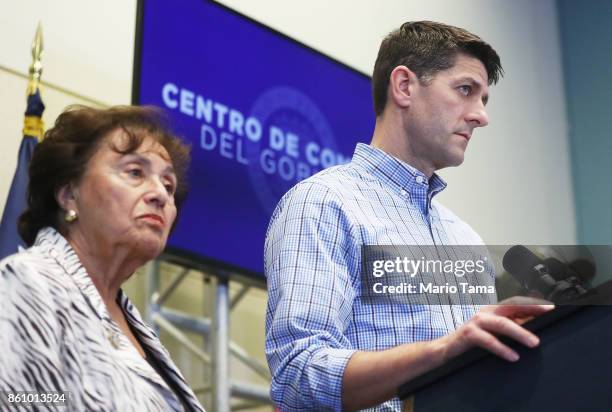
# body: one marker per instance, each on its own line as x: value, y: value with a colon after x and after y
x: 63, y: 155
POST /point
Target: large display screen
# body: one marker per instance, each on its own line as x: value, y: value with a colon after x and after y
x: 260, y: 110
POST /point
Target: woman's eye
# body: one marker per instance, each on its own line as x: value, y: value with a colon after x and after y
x: 169, y: 188
x: 465, y: 90
x: 135, y: 172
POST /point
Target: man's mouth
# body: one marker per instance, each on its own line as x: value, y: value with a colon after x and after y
x: 465, y: 135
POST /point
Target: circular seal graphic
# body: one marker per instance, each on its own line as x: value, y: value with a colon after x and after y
x: 292, y: 113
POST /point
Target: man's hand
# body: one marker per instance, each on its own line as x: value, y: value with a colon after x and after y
x: 373, y: 377
x: 504, y: 319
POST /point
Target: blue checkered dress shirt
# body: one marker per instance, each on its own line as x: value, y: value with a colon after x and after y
x: 315, y: 320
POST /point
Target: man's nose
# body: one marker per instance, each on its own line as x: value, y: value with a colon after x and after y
x: 478, y: 116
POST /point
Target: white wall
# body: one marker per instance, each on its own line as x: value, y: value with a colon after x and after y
x: 88, y: 44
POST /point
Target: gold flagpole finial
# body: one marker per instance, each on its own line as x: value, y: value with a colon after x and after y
x: 32, y: 123
x: 36, y: 66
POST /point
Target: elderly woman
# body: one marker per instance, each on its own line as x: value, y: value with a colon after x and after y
x: 104, y: 190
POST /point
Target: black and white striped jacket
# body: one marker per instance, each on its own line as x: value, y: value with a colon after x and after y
x: 56, y: 335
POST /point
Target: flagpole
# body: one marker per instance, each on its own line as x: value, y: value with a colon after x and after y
x: 36, y: 67
x: 33, y: 130
x: 32, y: 123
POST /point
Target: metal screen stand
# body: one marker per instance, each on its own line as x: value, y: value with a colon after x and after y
x: 216, y: 335
x: 222, y: 392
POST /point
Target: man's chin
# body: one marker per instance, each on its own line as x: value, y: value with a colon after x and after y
x: 459, y: 162
x: 452, y: 162
x: 457, y: 158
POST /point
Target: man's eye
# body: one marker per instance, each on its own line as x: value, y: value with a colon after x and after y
x: 465, y: 90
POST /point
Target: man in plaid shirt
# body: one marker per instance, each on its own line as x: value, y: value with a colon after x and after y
x: 327, y: 348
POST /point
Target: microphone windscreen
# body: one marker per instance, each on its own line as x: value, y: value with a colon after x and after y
x: 519, y: 261
x: 584, y: 268
x: 557, y: 269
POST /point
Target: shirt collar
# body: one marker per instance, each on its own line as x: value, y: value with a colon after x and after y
x: 52, y: 243
x: 398, y: 174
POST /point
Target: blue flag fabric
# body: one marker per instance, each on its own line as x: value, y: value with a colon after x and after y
x: 16, y: 200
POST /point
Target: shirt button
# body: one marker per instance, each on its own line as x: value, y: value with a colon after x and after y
x: 403, y: 192
x: 419, y: 179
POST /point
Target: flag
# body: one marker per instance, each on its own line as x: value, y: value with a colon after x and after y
x: 16, y: 200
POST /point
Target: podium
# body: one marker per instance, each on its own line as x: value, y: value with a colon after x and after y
x: 571, y: 369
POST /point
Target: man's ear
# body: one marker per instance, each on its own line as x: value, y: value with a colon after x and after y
x: 66, y: 197
x: 402, y: 83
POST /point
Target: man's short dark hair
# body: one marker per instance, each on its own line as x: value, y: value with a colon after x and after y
x: 426, y: 48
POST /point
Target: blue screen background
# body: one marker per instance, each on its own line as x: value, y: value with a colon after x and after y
x: 217, y: 54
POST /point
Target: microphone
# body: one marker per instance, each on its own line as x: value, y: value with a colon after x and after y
x: 582, y: 270
x: 558, y: 270
x: 585, y: 269
x: 562, y: 272
x: 550, y: 277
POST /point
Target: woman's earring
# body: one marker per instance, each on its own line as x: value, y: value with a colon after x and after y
x: 70, y: 216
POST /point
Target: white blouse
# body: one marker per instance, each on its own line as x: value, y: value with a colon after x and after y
x: 57, y: 335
